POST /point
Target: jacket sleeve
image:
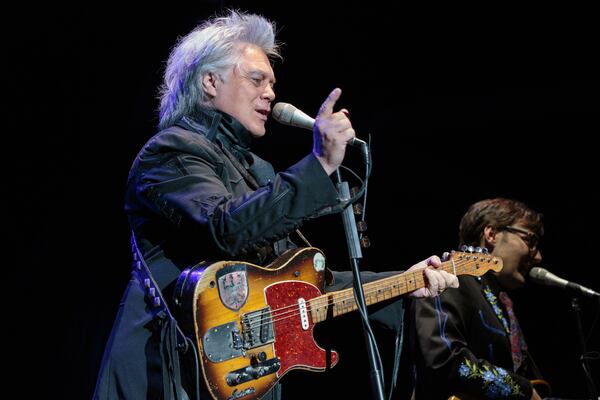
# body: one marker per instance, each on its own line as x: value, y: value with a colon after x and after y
x: 188, y: 188
x: 441, y: 336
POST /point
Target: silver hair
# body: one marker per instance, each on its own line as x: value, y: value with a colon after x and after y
x: 209, y: 48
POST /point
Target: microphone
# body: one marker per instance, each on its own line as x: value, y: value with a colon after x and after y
x: 287, y: 114
x: 545, y: 277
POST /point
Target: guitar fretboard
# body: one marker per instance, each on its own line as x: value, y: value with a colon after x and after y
x: 343, y: 301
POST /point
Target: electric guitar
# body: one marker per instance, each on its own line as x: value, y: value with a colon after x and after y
x: 252, y: 324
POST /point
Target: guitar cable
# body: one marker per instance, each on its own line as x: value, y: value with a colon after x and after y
x: 347, y: 203
x: 362, y: 192
x: 196, y: 367
x: 365, y: 321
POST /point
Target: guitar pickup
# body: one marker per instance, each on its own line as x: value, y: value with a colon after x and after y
x: 257, y: 328
x: 250, y: 372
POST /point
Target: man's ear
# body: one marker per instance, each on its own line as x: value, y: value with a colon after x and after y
x: 210, y: 82
x: 489, y: 237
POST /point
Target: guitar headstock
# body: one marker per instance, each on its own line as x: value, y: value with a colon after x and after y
x: 472, y: 261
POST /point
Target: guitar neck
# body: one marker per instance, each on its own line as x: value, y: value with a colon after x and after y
x: 341, y: 302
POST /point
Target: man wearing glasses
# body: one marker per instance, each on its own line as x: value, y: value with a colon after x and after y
x: 468, y: 342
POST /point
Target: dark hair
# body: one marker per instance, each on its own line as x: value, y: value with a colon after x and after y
x: 496, y: 213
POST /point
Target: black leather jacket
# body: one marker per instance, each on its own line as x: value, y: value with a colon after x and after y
x: 462, y: 346
x: 195, y: 192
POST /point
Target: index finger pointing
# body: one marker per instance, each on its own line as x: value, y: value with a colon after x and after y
x: 327, y: 106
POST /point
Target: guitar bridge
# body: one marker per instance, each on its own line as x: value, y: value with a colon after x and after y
x: 223, y: 342
x: 257, y: 328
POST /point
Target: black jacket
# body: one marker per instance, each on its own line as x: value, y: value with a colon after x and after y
x: 195, y: 192
x: 461, y: 345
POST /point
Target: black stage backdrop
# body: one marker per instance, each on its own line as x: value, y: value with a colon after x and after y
x: 461, y: 104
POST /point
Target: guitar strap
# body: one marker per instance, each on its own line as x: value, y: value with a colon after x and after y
x: 173, y: 341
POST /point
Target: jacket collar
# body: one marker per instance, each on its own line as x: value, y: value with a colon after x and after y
x: 213, y: 123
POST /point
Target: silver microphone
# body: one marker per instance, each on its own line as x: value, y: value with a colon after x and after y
x: 287, y: 114
x: 545, y: 277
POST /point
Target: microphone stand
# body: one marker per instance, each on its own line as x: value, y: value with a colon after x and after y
x: 355, y: 253
x: 591, y: 389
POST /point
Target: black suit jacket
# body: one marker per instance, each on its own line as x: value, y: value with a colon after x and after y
x: 195, y: 192
x: 461, y: 344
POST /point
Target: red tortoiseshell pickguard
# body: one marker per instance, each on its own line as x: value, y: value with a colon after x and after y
x: 294, y: 346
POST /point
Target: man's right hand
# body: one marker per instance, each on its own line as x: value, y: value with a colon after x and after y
x: 331, y: 133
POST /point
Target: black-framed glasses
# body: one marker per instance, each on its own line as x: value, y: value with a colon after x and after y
x: 531, y: 239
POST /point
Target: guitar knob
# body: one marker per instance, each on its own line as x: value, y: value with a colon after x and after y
x: 233, y: 379
x: 365, y: 242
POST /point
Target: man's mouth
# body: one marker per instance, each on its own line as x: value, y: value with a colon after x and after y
x: 264, y: 114
x: 524, y: 269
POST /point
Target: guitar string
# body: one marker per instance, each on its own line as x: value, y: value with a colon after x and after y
x: 385, y: 282
x: 278, y: 312
x: 332, y: 301
x: 314, y: 303
x: 324, y: 302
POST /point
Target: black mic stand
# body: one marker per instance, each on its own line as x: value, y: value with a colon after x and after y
x: 355, y: 253
x: 591, y: 389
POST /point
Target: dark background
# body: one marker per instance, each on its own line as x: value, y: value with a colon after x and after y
x: 462, y: 105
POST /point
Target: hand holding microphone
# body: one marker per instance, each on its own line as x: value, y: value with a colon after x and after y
x: 332, y: 131
x: 287, y: 114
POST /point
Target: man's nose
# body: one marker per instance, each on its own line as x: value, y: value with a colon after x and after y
x: 537, y: 257
x: 269, y: 93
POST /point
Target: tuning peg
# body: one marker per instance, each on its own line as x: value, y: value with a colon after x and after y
x: 464, y: 248
x: 445, y: 256
x: 485, y: 250
x: 470, y: 249
x: 365, y: 242
x: 357, y: 208
x: 354, y: 191
x: 478, y: 250
x: 361, y: 226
